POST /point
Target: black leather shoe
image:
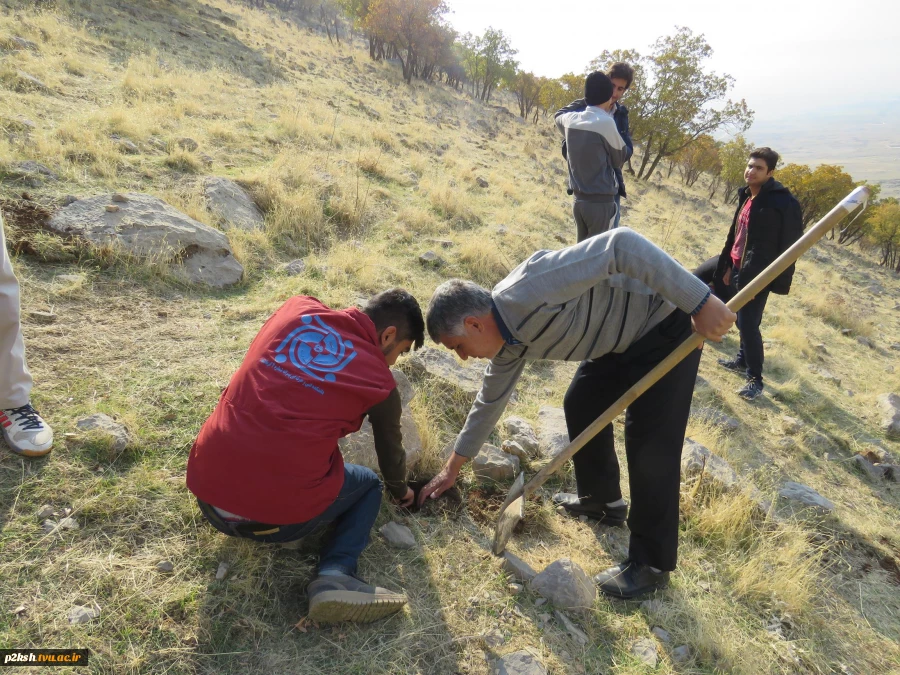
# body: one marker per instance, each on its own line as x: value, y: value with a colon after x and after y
x: 733, y: 364
x: 630, y: 580
x: 614, y: 516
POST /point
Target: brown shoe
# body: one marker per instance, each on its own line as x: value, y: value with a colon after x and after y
x: 333, y: 599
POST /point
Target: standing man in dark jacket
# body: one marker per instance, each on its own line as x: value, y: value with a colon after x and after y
x: 622, y: 75
x: 767, y: 222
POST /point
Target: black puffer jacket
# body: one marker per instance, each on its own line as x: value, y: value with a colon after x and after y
x: 776, y: 223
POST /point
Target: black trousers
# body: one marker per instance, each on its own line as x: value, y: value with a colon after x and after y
x: 749, y: 318
x: 654, y: 435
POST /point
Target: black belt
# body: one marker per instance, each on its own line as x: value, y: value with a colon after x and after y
x: 241, y: 528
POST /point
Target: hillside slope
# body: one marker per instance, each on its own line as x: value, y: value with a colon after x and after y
x: 358, y: 174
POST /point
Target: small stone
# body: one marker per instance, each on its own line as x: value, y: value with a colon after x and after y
x: 443, y: 243
x: 398, y: 536
x: 566, y: 585
x: 829, y: 457
x: 561, y: 510
x: 661, y: 633
x: 821, y: 348
x: 519, y: 663
x: 112, y: 208
x: 895, y: 347
x: 790, y: 425
x: 517, y: 568
x: 43, y: 318
x: 583, y: 518
x: 515, y: 589
x: 68, y: 200
x: 552, y: 431
x: 165, y: 566
x: 652, y: 606
x: 46, y: 511
x: 71, y: 278
x: 294, y: 267
x: 577, y: 634
x: 48, y: 526
x: 21, y: 609
x: 560, y: 238
x: 805, y: 495
x: 514, y: 448
x: 222, y: 571
x: 522, y: 432
x: 188, y: 144
x: 128, y: 147
x: 481, y: 182
x: 540, y: 602
x: 871, y: 471
x: 866, y: 342
x: 890, y: 414
x: 115, y: 433
x: 493, y: 638
x: 846, y: 331
x: 681, y: 654
x: 491, y: 463
x: 68, y: 524
x: 119, y: 198
x: 431, y: 259
x: 645, y: 650
x: 79, y: 614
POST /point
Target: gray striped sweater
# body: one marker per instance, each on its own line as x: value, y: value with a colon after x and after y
x: 582, y: 302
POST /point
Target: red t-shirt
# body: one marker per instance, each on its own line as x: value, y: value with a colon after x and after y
x: 269, y: 450
x: 740, y: 235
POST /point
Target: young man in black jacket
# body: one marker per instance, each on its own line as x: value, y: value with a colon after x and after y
x: 767, y: 222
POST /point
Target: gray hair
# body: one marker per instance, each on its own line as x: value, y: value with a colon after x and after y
x: 451, y: 303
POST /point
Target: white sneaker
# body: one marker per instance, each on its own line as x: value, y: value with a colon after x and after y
x: 25, y: 432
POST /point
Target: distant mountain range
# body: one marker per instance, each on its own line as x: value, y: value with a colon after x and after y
x: 862, y: 137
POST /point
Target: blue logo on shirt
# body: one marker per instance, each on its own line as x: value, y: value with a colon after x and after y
x: 314, y: 348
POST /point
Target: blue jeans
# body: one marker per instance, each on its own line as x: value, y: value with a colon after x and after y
x: 618, y: 212
x: 353, y: 514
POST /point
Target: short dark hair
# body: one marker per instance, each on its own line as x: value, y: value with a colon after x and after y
x: 768, y: 155
x: 623, y: 71
x: 451, y: 303
x: 396, y: 307
x: 598, y: 88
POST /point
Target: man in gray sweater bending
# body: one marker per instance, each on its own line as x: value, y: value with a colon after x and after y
x: 619, y: 305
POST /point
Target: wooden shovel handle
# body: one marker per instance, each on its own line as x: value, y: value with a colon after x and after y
x: 859, y: 196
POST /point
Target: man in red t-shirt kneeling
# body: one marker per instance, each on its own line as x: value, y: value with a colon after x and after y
x: 266, y: 464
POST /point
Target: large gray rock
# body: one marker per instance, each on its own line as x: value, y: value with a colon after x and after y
x: 890, y: 414
x: 148, y: 228
x: 519, y: 663
x: 566, y: 585
x: 803, y: 494
x: 108, y: 428
x: 491, y: 463
x: 231, y: 203
x: 693, y: 457
x: 444, y: 366
x: 522, y: 433
x: 359, y: 447
x: 552, y: 431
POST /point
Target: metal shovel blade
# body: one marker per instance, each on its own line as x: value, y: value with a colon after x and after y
x: 511, y: 513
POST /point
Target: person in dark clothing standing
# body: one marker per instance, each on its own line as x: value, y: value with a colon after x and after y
x: 767, y: 221
x: 594, y: 150
x: 621, y: 75
x: 266, y: 464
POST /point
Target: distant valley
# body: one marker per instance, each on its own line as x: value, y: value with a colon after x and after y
x: 863, y: 138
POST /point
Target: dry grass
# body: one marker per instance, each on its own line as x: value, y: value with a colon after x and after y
x: 359, y: 196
